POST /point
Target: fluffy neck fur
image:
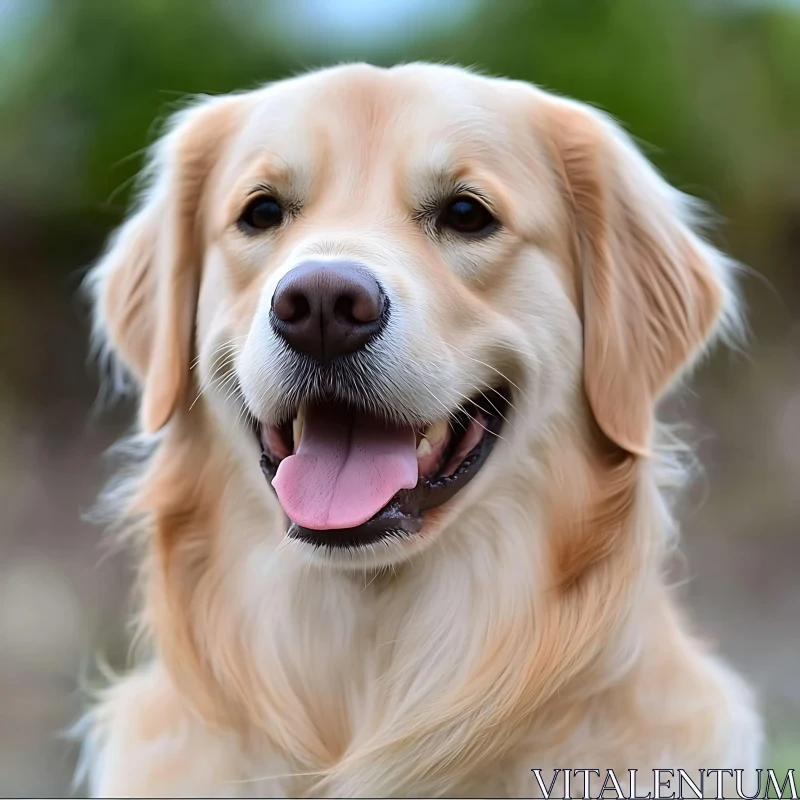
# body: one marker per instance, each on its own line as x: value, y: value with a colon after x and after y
x: 414, y: 678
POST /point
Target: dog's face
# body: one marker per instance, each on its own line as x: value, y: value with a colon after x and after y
x: 395, y: 283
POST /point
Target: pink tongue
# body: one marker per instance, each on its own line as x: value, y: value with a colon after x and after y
x: 345, y: 469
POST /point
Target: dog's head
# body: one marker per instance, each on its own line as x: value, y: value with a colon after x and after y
x: 395, y: 283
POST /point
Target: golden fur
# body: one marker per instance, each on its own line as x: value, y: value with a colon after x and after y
x: 530, y: 625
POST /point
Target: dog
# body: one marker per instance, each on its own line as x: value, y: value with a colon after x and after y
x: 398, y: 494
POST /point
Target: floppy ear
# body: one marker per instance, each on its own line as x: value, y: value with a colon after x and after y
x: 145, y: 287
x: 653, y: 291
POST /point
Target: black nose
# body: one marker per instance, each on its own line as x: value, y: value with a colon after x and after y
x: 328, y: 309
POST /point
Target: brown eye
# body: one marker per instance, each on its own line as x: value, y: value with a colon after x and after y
x: 467, y: 215
x: 261, y: 214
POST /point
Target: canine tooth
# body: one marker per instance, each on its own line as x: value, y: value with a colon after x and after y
x: 437, y: 432
x: 424, y: 448
x: 297, y: 427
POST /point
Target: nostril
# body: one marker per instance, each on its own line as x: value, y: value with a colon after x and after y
x: 343, y: 309
x: 358, y: 308
x: 291, y: 307
x: 367, y: 306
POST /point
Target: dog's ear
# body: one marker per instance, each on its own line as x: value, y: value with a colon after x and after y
x: 145, y: 287
x: 652, y: 290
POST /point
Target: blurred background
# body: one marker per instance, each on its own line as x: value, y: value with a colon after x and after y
x: 711, y: 89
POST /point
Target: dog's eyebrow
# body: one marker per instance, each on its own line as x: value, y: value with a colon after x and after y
x: 262, y: 168
x: 439, y: 185
x: 261, y: 188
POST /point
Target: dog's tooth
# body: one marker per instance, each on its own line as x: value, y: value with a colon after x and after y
x: 424, y: 448
x: 437, y: 432
x: 297, y: 427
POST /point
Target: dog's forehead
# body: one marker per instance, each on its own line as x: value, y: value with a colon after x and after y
x: 423, y: 115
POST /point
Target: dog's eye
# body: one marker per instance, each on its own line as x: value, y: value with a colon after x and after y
x: 262, y: 213
x: 465, y: 214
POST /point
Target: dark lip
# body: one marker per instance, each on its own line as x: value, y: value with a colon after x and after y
x: 402, y: 517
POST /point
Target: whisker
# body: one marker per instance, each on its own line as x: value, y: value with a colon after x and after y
x: 496, y: 409
x: 506, y: 399
x: 279, y: 776
x: 222, y: 358
x: 447, y: 411
x: 218, y: 348
x: 463, y: 410
x: 489, y: 366
x: 216, y: 367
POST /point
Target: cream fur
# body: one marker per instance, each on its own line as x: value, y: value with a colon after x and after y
x: 530, y: 625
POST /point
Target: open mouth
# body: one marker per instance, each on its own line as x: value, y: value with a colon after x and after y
x: 347, y: 479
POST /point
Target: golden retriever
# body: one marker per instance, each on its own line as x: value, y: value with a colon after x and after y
x: 435, y: 311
